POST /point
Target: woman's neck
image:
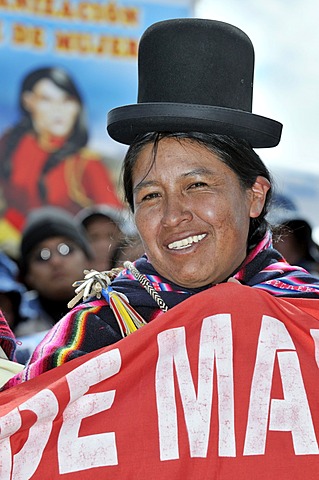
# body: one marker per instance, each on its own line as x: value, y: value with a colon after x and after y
x: 49, y: 142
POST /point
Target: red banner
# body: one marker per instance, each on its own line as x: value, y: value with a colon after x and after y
x: 225, y: 385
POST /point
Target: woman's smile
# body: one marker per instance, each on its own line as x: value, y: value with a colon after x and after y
x: 186, y: 242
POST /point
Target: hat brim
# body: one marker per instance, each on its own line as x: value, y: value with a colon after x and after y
x: 125, y: 123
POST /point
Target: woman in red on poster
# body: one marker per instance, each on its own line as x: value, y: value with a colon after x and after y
x: 44, y: 159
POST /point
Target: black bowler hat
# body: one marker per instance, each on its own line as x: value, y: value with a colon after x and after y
x: 194, y: 75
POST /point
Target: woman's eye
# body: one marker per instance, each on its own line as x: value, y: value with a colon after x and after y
x: 198, y: 185
x: 150, y: 196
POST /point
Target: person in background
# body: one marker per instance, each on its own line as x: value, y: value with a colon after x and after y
x: 105, y: 227
x: 54, y: 253
x: 44, y: 159
x: 129, y: 248
x: 293, y: 234
x: 12, y: 293
x: 198, y: 190
x: 8, y: 346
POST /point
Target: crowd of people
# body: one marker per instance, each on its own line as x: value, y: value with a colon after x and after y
x: 60, y: 211
x: 293, y: 234
x: 56, y: 248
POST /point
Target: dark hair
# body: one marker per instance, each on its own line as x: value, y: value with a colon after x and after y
x: 12, y: 137
x: 236, y: 154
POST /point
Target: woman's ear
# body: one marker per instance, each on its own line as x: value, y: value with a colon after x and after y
x: 259, y: 192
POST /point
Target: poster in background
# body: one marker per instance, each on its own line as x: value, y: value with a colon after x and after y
x: 95, y: 44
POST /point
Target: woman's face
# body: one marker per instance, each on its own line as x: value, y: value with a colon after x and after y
x: 104, y: 235
x: 192, y: 213
x: 53, y: 111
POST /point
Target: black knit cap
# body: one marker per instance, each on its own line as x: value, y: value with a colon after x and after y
x: 47, y: 222
x: 194, y: 75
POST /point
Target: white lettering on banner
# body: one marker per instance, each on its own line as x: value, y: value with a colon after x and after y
x: 215, y: 344
x: 9, y: 424
x: 77, y: 453
x: 293, y: 413
x: 44, y: 404
x: 290, y: 414
x: 315, y: 335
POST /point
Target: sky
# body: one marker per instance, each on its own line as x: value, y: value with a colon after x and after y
x: 285, y: 35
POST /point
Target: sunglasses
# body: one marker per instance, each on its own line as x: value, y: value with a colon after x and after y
x: 45, y: 254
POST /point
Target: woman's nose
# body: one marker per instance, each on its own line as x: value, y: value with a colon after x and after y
x: 176, y: 211
x: 57, y: 259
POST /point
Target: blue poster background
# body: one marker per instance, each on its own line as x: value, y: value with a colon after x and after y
x: 96, y: 44
x: 31, y: 31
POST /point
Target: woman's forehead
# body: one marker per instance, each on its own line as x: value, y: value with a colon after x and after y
x: 53, y: 241
x: 49, y: 88
x: 183, y: 156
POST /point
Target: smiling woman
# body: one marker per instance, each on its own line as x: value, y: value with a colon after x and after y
x: 190, y: 205
x: 198, y: 191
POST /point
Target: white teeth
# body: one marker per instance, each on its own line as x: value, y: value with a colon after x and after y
x: 186, y: 242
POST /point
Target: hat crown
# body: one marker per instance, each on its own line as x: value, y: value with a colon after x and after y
x: 196, y: 61
x: 195, y: 75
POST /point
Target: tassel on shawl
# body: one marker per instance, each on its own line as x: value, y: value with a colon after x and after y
x: 98, y: 284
